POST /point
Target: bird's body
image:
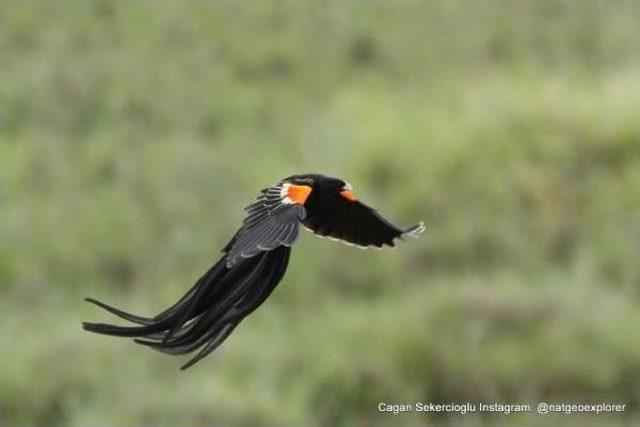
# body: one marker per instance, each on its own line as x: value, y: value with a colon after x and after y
x: 254, y: 262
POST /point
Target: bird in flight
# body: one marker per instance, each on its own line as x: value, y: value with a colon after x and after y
x: 254, y: 262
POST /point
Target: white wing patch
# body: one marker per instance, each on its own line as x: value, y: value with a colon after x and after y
x: 284, y: 194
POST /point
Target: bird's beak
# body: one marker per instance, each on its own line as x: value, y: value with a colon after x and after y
x: 347, y: 194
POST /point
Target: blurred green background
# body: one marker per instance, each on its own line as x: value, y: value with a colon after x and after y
x: 134, y: 134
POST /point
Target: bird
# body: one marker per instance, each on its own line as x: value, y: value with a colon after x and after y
x: 254, y: 262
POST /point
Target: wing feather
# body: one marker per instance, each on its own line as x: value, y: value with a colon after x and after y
x: 271, y: 222
x: 354, y: 223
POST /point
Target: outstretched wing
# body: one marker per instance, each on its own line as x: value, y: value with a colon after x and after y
x: 273, y: 220
x: 354, y: 223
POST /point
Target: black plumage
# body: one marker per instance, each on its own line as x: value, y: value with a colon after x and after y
x: 254, y: 262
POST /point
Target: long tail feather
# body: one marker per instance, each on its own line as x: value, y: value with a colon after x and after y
x: 123, y: 314
x: 207, y: 314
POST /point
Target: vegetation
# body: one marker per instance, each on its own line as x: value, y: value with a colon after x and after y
x: 135, y: 133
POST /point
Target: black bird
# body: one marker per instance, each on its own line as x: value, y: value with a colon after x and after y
x: 254, y: 262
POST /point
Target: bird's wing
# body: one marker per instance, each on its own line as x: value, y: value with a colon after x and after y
x: 273, y: 220
x: 355, y: 223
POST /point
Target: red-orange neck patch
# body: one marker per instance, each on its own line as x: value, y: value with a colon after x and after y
x: 298, y: 193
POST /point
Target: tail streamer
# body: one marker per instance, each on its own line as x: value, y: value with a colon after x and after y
x: 207, y: 314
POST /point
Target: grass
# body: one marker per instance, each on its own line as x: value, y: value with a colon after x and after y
x: 133, y: 135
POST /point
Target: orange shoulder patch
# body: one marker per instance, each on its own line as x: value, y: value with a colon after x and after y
x: 348, y: 195
x: 298, y: 193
